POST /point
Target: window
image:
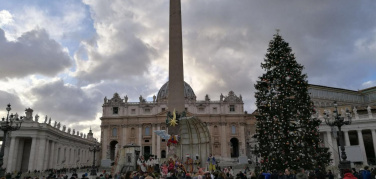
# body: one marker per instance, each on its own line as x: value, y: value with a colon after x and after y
x: 186, y: 109
x: 163, y: 109
x: 200, y: 109
x: 233, y: 130
x: 232, y: 108
x: 163, y: 154
x: 115, y: 110
x: 133, y: 111
x: 146, y: 140
x: 114, y: 132
x: 163, y: 140
x: 147, y: 110
x: 214, y: 110
x: 147, y: 131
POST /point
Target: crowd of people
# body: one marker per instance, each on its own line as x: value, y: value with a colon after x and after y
x: 173, y: 168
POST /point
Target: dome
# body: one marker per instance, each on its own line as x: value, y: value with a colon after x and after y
x: 188, y: 92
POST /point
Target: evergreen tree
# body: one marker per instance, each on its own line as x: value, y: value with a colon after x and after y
x: 286, y: 130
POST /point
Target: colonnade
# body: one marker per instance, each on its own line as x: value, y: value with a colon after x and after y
x: 331, y: 142
x: 41, y: 153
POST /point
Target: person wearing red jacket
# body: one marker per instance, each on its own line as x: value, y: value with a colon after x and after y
x: 348, y: 174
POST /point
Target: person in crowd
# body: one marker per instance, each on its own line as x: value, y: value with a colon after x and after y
x: 288, y: 174
x: 330, y: 175
x: 150, y: 164
x: 267, y: 175
x: 135, y: 175
x: 148, y: 176
x: 301, y: 174
x: 348, y: 174
x: 366, y: 173
x: 360, y: 173
x: 319, y: 174
x: 189, y: 163
x: 274, y: 174
x: 142, y: 164
x: 211, y: 162
x: 207, y: 175
x: 230, y: 172
x: 253, y: 175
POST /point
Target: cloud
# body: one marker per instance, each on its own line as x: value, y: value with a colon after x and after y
x: 224, y: 43
x: 33, y: 53
x: 124, y: 46
x: 5, y: 17
x: 9, y: 98
x: 65, y: 103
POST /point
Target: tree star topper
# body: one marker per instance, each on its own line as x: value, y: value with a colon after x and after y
x: 173, y: 121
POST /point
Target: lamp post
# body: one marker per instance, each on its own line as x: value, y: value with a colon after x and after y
x: 11, y: 123
x: 94, y: 148
x: 337, y: 120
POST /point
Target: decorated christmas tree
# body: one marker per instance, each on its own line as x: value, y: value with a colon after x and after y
x: 286, y: 130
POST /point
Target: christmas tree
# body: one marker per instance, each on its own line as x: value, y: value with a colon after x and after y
x: 286, y: 129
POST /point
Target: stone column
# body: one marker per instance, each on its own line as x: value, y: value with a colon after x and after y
x: 159, y: 143
x: 241, y: 140
x: 347, y: 139
x: 41, y: 153
x: 374, y: 139
x: 361, y: 144
x: 125, y: 137
x: 104, y: 143
x: 31, y: 166
x: 330, y: 145
x: 224, y: 140
x: 20, y: 153
x: 153, y: 151
x: 52, y: 156
x: 11, y: 155
x: 139, y: 139
x: 15, y: 153
x: 46, y: 155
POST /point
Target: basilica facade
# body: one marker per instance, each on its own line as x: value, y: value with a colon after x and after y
x: 125, y: 122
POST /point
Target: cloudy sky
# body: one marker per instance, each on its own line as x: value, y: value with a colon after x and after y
x: 62, y: 57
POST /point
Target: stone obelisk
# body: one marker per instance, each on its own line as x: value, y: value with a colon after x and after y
x: 176, y: 72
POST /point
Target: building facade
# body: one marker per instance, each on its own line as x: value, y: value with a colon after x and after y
x: 42, y: 145
x: 126, y: 122
x: 360, y: 136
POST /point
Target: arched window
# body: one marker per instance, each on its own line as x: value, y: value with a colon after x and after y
x: 114, y: 132
x: 147, y: 131
x: 233, y: 130
x: 163, y: 154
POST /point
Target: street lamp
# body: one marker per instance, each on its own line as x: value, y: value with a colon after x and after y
x: 337, y: 120
x: 11, y: 123
x: 94, y: 148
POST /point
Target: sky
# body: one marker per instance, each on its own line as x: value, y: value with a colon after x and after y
x: 62, y: 57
